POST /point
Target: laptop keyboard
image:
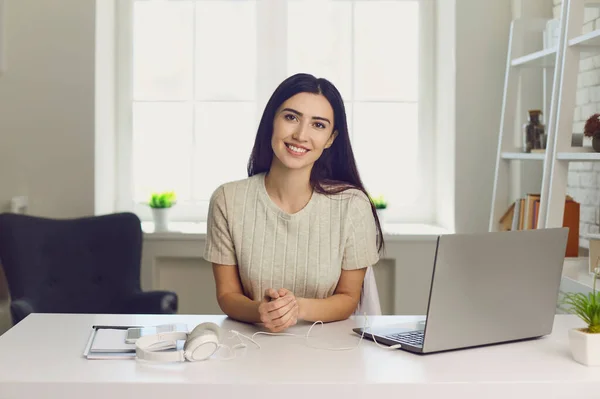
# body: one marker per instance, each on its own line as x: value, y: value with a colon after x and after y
x: 413, y: 338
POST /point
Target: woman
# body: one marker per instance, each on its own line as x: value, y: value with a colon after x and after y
x: 293, y: 240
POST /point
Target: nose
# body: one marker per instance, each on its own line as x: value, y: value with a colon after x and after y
x: 301, y: 132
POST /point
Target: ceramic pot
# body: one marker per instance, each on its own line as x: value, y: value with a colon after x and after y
x: 381, y: 215
x: 161, y: 219
x: 585, y: 347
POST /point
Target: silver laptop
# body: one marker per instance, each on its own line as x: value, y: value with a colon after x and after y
x: 486, y: 288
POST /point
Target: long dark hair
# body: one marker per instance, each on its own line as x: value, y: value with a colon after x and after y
x: 335, y: 170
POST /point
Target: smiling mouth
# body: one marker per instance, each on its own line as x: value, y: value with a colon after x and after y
x: 296, y: 150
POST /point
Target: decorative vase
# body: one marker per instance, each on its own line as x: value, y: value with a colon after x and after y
x: 534, y: 132
x: 585, y: 347
x: 161, y: 219
x: 596, y: 143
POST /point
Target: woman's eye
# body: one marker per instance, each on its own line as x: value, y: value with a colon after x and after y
x: 320, y: 125
x: 290, y: 117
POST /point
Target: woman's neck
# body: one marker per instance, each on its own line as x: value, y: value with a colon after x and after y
x: 290, y: 189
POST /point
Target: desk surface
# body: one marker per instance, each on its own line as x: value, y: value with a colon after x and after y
x: 42, y: 357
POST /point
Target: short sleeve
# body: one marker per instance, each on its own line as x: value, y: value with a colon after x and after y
x: 219, y: 246
x: 360, y: 249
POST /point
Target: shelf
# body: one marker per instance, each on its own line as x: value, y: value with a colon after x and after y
x: 591, y: 39
x: 543, y: 59
x: 532, y: 156
x: 578, y: 156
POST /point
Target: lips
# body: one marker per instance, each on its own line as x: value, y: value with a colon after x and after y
x: 296, y: 150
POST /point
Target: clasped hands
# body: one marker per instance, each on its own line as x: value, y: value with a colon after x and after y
x: 279, y: 309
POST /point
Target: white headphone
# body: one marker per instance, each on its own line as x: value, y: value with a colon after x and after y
x: 200, y: 344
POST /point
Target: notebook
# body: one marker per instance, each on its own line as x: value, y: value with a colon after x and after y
x: 111, y: 340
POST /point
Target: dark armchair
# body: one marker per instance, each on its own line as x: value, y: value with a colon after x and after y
x: 80, y: 265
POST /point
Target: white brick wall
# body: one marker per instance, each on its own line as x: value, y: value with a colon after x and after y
x: 584, y: 177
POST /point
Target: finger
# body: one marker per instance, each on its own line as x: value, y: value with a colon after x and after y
x: 282, y: 291
x: 274, y: 309
x: 292, y: 321
x: 281, y: 316
x: 283, y: 320
x: 272, y: 318
x: 279, y: 303
x: 270, y: 293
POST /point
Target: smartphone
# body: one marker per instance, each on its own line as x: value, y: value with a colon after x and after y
x: 132, y: 335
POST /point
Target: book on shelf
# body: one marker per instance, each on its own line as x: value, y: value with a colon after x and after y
x: 523, y: 215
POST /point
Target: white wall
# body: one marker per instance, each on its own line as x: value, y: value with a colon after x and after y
x: 47, y: 106
x: 482, y: 29
x: 471, y: 48
x: 47, y: 111
x: 445, y: 124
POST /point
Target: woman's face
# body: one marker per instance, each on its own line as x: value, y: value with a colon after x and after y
x: 302, y: 130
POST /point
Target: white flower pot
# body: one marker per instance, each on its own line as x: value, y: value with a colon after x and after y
x: 381, y: 215
x: 585, y: 347
x: 161, y: 219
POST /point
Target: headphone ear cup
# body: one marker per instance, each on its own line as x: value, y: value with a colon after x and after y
x: 206, y: 326
x: 202, y: 342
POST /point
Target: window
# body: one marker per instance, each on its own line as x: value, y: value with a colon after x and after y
x: 196, y: 74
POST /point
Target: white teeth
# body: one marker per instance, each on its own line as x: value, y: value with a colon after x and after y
x: 296, y: 149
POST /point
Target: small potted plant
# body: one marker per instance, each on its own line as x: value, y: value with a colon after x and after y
x: 592, y: 129
x: 585, y: 342
x: 161, y: 203
x: 380, y: 206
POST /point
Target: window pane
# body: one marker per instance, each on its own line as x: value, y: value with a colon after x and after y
x: 386, y: 52
x: 162, y: 50
x: 225, y: 135
x: 226, y: 50
x: 162, y: 139
x: 386, y: 147
x: 320, y: 40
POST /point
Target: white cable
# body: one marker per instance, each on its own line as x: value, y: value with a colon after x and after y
x: 233, y: 354
x: 397, y: 346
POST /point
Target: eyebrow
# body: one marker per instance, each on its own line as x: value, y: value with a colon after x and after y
x: 300, y: 114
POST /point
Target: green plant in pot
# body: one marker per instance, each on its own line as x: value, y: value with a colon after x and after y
x: 592, y: 129
x: 381, y: 205
x: 585, y: 342
x: 161, y: 203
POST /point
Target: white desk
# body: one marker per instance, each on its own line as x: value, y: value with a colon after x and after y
x: 42, y: 357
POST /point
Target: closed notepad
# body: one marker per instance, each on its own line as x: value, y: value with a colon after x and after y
x: 111, y: 340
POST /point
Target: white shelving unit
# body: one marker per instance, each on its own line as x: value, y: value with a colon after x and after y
x: 562, y: 63
x: 548, y: 63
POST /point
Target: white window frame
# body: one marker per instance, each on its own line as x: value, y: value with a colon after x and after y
x: 271, y: 70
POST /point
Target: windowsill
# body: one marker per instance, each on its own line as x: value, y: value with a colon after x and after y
x: 391, y: 231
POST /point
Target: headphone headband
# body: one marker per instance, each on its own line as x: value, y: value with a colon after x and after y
x: 200, y: 344
x: 146, y: 345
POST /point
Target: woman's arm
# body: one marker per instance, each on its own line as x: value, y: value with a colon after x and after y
x: 230, y: 296
x: 341, y: 305
x: 275, y: 312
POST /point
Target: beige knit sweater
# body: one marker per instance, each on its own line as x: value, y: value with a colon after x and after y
x: 303, y: 252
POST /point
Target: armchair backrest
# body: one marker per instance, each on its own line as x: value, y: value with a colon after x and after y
x: 71, y: 265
